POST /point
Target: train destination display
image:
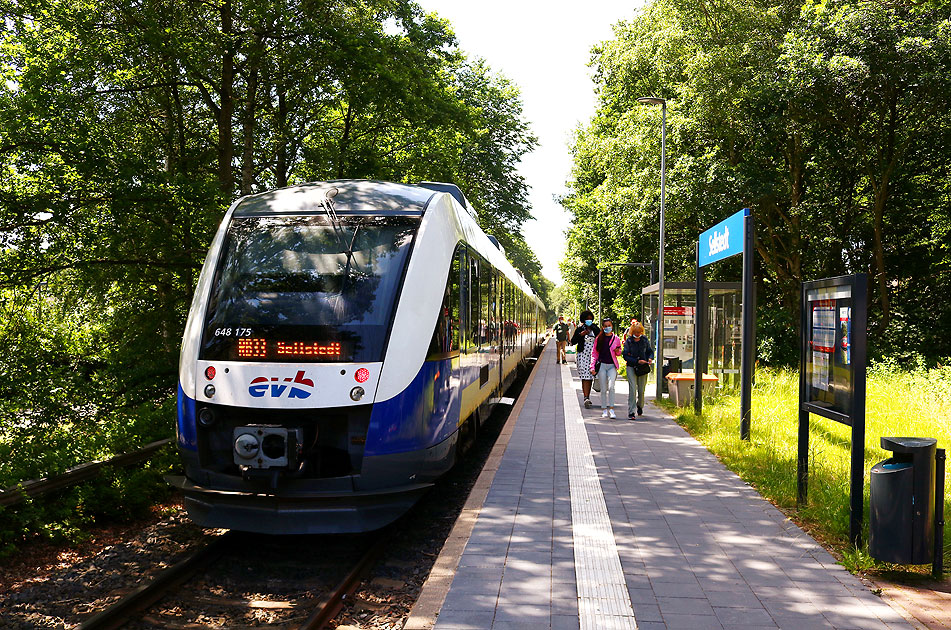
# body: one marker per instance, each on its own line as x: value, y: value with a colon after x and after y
x: 260, y: 348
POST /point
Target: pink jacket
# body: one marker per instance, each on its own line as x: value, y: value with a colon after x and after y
x: 615, y: 344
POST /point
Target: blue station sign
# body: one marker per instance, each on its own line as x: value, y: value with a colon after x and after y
x: 723, y: 240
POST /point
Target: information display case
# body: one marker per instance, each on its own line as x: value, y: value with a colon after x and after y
x: 832, y: 376
x: 827, y: 351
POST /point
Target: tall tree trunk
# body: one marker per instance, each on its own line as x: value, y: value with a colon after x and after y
x: 344, y: 141
x: 282, y: 166
x: 226, y: 108
x: 889, y: 154
x: 881, y: 201
x: 188, y: 278
x: 248, y: 125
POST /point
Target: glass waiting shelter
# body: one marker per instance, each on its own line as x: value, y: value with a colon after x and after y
x: 724, y: 304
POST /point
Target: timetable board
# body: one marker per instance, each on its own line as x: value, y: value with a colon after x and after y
x: 828, y: 342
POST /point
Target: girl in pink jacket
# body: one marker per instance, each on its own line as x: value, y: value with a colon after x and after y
x: 607, y: 347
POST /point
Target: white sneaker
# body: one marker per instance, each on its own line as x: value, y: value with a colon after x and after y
x: 611, y: 414
x: 604, y: 414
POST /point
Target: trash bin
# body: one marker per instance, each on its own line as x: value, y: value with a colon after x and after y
x: 681, y: 385
x: 671, y: 365
x: 901, y: 506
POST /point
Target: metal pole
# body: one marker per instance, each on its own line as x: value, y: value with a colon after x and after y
x: 748, y: 329
x: 659, y: 353
x: 937, y: 565
x: 859, y: 352
x: 802, y: 452
x: 698, y: 340
x: 599, y: 294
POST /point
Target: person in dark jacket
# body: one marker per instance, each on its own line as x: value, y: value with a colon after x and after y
x: 561, y: 339
x: 639, y: 355
x: 584, y: 336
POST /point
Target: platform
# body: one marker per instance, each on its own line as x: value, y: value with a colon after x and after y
x: 598, y: 524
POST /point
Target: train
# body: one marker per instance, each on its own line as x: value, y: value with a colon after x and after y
x: 345, y: 341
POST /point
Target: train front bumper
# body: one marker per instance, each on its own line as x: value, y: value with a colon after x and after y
x: 297, y: 512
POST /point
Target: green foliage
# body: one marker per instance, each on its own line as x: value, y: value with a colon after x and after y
x: 899, y: 402
x: 127, y: 129
x: 561, y: 304
x: 117, y: 495
x: 827, y: 119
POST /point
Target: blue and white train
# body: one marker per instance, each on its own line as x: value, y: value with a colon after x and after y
x: 344, y: 341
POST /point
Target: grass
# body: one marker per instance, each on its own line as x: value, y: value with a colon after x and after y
x: 914, y: 403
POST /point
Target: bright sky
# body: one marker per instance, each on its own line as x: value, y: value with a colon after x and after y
x: 544, y: 48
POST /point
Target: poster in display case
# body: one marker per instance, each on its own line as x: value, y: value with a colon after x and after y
x: 828, y: 347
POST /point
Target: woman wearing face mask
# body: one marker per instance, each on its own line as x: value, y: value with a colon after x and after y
x: 607, y: 347
x: 585, y: 334
x: 639, y: 355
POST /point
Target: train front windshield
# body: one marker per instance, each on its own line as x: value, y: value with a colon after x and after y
x: 302, y: 289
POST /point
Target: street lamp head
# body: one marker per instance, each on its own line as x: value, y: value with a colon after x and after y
x: 652, y: 100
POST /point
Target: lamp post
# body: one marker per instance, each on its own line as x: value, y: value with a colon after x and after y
x: 599, y: 292
x: 653, y: 100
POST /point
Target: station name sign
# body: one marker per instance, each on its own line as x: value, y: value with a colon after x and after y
x: 723, y: 240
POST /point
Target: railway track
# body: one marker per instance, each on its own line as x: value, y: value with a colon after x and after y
x: 236, y: 581
x: 244, y: 581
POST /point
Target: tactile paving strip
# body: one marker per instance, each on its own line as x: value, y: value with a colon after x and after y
x: 603, y: 599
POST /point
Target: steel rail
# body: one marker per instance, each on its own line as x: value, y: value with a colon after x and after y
x: 146, y: 595
x: 75, y: 475
x: 330, y: 605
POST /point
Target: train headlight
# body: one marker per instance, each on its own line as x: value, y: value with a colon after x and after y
x: 209, y: 390
x: 206, y: 417
x: 356, y: 394
x: 246, y: 446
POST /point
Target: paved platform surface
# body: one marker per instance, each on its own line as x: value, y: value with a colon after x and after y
x: 692, y: 545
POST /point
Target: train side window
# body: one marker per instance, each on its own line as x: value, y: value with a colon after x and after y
x: 465, y: 326
x: 489, y: 310
x: 521, y: 321
x: 504, y: 322
x: 476, y: 322
x: 510, y: 296
x: 455, y: 298
x: 439, y: 344
x: 485, y: 273
x: 445, y: 335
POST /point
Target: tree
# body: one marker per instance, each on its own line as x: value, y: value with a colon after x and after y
x: 803, y: 112
x: 127, y: 129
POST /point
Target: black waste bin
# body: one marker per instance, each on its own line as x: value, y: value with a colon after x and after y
x: 671, y: 364
x: 901, y: 520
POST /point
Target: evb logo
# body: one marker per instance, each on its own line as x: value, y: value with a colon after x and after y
x: 276, y: 388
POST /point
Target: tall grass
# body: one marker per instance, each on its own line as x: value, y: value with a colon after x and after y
x: 915, y: 403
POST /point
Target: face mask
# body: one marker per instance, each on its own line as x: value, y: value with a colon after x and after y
x: 608, y: 329
x: 588, y: 322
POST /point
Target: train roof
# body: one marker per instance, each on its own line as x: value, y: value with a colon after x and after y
x: 353, y: 195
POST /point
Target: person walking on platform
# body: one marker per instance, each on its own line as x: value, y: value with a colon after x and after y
x: 627, y: 331
x: 561, y: 339
x: 607, y: 347
x: 639, y: 355
x: 585, y: 334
